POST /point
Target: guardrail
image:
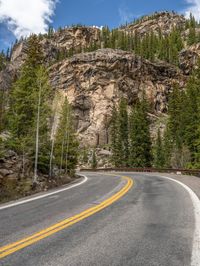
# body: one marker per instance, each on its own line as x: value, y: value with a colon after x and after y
x: 195, y: 172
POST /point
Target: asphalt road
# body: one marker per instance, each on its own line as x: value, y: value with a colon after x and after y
x: 151, y: 225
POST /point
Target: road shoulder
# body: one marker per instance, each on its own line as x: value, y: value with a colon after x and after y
x: 192, y: 182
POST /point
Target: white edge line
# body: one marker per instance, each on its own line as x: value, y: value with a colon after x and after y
x: 45, y: 195
x: 195, y: 260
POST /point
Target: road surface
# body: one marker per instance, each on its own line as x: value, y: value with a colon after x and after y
x: 143, y: 220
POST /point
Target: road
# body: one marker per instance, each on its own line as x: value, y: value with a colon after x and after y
x: 145, y: 220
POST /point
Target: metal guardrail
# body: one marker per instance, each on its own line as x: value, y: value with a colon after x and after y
x: 195, y: 172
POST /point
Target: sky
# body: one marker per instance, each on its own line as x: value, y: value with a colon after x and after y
x: 22, y: 17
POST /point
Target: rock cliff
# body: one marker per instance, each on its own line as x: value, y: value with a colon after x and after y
x: 67, y: 38
x: 94, y: 82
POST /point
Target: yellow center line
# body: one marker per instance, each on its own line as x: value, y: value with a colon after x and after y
x: 16, y: 246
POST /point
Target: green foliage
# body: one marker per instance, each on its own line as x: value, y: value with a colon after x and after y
x: 151, y: 46
x: 3, y: 60
x: 192, y: 37
x: 29, y: 93
x: 192, y: 114
x: 140, y: 141
x: 176, y: 117
x: 66, y: 144
x: 23, y: 101
x: 182, y: 136
x: 50, y: 32
x: 130, y: 136
x: 120, y: 135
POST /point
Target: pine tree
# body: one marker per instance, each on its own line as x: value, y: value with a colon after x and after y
x: 105, y: 37
x: 192, y: 38
x: 176, y: 118
x: 159, y: 153
x: 191, y: 112
x: 50, y: 32
x: 2, y: 61
x: 66, y: 144
x: 22, y: 100
x: 29, y: 109
x: 140, y: 141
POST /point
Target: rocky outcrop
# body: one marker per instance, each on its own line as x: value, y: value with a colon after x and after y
x: 94, y: 82
x: 188, y: 58
x: 67, y: 38
x: 161, y: 21
x: 76, y: 37
x: 16, y: 178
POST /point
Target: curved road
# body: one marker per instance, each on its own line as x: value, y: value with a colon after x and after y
x: 151, y: 225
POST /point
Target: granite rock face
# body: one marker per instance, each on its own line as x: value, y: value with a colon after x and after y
x: 94, y: 82
x: 188, y: 58
x: 67, y: 38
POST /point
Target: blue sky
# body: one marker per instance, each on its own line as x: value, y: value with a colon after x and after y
x: 21, y: 17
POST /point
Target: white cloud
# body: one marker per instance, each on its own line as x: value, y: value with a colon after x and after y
x: 24, y: 17
x: 194, y: 8
x: 97, y: 27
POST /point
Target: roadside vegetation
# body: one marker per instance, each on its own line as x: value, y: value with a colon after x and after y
x: 177, y: 147
x: 27, y: 120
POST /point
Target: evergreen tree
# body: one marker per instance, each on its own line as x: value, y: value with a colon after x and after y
x: 192, y: 38
x: 2, y: 61
x: 176, y: 118
x: 50, y: 32
x: 140, y: 141
x: 29, y: 109
x: 22, y: 111
x: 105, y: 37
x: 191, y: 112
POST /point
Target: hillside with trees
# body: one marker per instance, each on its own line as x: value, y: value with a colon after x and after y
x: 90, y: 97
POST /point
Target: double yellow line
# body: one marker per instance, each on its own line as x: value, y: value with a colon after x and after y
x: 16, y: 246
